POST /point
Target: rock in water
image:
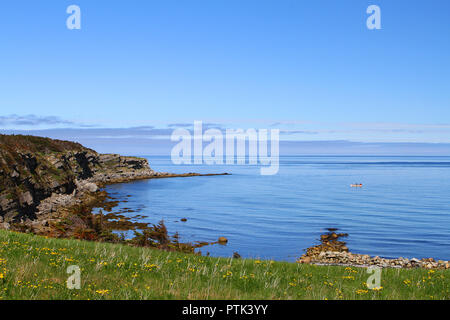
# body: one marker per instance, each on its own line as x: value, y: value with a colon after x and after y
x: 223, y: 240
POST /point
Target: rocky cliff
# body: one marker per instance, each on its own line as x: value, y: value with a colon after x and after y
x: 37, y: 174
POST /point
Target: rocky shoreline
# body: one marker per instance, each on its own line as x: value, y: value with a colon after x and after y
x: 333, y: 251
x: 87, y: 193
x: 42, y: 179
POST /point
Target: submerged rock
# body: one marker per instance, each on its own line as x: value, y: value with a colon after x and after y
x: 236, y: 255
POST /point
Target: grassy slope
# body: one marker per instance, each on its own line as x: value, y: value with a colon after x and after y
x: 35, y: 144
x: 33, y: 267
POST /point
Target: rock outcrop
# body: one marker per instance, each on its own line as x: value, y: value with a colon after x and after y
x: 39, y: 174
x: 333, y: 251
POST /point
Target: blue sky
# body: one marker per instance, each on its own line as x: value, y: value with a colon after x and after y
x: 310, y: 68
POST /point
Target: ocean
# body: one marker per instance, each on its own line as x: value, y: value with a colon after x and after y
x: 402, y: 210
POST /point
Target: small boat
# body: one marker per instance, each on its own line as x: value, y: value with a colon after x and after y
x: 356, y: 185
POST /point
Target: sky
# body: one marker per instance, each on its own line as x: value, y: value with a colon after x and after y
x: 310, y: 68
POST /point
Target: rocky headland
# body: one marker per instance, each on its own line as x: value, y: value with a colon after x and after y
x: 50, y: 186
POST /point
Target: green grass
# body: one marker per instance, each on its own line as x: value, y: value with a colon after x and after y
x: 33, y: 267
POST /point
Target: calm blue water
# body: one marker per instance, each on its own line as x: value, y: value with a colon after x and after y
x: 402, y: 210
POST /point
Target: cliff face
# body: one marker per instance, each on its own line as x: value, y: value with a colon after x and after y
x: 34, y: 170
